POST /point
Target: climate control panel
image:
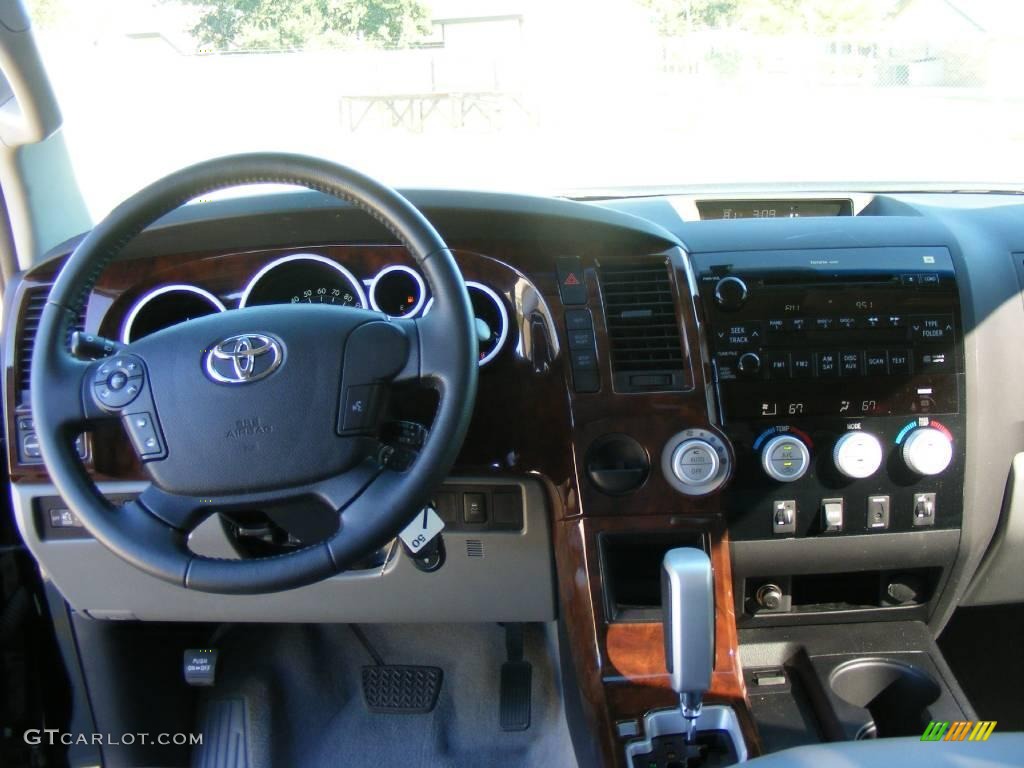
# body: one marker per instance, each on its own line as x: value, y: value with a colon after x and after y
x: 839, y: 376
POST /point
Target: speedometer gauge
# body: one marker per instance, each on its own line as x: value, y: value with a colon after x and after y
x: 304, y: 278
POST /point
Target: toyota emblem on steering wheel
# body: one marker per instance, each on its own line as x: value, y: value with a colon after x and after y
x: 244, y: 358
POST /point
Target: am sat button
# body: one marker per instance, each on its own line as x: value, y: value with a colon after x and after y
x: 828, y: 364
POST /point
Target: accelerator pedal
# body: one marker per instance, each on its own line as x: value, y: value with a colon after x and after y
x: 516, y: 679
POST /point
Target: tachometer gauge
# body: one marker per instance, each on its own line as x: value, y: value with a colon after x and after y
x: 166, y: 306
x: 397, y: 291
x: 304, y: 278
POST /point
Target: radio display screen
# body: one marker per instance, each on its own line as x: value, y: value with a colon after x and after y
x: 772, y: 209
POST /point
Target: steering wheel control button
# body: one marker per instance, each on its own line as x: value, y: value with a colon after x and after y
x: 359, y: 413
x: 784, y: 517
x: 144, y: 434
x: 832, y: 515
x: 118, y: 381
x: 857, y: 454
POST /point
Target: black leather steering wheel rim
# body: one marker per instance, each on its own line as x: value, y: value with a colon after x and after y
x: 444, y: 354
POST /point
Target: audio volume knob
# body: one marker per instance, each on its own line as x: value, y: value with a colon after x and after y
x: 858, y: 454
x: 749, y: 364
x: 731, y: 293
x: 927, y: 451
x: 785, y: 458
x: 695, y: 462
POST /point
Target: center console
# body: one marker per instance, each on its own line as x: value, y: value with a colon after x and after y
x: 811, y: 440
x: 839, y: 374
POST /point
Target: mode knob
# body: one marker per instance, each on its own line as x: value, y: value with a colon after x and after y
x: 858, y: 454
x: 927, y: 451
x: 731, y: 293
x: 785, y: 458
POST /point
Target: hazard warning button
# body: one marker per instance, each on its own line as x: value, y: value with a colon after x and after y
x: 570, y: 280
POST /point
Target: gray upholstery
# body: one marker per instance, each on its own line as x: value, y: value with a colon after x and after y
x: 1000, y: 749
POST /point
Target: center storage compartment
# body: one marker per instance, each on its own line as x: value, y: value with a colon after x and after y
x: 631, y: 571
x: 896, y: 694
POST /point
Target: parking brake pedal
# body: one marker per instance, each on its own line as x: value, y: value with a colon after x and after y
x: 516, y: 678
x: 392, y: 689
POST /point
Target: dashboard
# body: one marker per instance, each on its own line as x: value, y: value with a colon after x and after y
x: 825, y: 399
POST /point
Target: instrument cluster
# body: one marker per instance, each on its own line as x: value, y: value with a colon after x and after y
x: 397, y: 291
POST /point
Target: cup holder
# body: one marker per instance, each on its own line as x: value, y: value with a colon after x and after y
x: 896, y: 694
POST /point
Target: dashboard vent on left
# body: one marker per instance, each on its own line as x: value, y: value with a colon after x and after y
x: 33, y: 303
x: 643, y: 332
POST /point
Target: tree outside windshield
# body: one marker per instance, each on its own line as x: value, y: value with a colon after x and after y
x: 545, y: 96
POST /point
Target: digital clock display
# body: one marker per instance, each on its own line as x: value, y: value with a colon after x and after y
x: 771, y: 209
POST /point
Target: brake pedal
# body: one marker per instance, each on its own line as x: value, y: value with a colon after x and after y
x: 393, y: 689
x: 401, y: 690
x: 516, y: 681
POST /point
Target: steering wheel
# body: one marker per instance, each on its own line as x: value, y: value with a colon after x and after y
x: 258, y: 406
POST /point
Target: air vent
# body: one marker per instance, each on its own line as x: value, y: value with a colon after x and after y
x: 646, y: 348
x: 33, y: 303
x: 474, y: 548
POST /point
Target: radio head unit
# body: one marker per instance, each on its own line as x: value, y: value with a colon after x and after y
x: 858, y: 332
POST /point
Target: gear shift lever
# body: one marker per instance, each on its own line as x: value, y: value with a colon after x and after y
x: 687, y: 597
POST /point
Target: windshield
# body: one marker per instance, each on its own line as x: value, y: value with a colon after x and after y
x: 545, y: 96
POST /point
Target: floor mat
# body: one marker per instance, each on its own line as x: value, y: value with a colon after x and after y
x: 303, y: 688
x: 982, y: 646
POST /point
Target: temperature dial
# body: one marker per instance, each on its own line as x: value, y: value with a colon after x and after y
x: 785, y: 458
x: 857, y: 454
x: 695, y: 462
x: 927, y: 451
